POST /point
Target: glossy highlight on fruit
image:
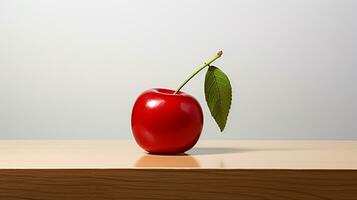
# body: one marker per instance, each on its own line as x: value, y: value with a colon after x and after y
x: 166, y: 123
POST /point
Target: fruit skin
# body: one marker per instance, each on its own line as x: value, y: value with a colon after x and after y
x: 166, y: 123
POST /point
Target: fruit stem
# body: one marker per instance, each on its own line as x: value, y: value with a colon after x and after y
x: 219, y: 54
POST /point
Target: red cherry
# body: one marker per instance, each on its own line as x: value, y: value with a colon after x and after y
x: 166, y: 123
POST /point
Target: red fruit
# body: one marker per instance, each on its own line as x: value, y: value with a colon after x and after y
x: 166, y: 123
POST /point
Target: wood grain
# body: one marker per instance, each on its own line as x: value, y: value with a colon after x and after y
x: 170, y: 184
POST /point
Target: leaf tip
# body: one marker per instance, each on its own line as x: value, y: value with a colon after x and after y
x: 222, y: 125
x: 219, y: 53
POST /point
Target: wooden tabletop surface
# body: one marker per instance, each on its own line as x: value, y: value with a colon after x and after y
x: 225, y: 170
x: 207, y: 154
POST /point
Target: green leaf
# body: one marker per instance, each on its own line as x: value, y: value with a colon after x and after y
x: 218, y: 93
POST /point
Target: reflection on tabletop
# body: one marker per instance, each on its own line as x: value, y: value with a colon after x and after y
x: 199, y: 157
x: 182, y: 160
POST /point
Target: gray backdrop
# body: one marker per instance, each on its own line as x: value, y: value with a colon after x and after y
x: 72, y: 69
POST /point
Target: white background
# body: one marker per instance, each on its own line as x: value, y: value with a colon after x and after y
x: 73, y: 69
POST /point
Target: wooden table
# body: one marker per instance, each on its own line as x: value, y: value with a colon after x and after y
x: 44, y: 170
